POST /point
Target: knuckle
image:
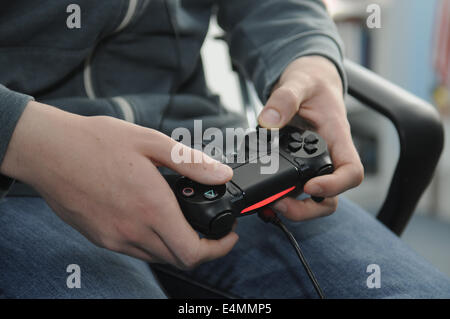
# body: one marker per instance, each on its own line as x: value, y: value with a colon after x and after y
x: 358, y: 174
x: 330, y: 206
x: 200, y: 162
x: 126, y: 233
x: 342, y: 123
x: 98, y: 238
x: 190, y: 259
x: 144, y: 210
x: 188, y: 263
x: 182, y: 266
x: 106, y: 242
x: 290, y: 96
x: 193, y: 166
x: 150, y: 213
x: 206, y: 163
x: 329, y: 212
x: 320, y: 82
x: 153, y: 140
x: 334, y: 204
x: 102, y: 118
x: 155, y: 134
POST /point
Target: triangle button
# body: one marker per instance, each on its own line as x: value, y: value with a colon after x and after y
x: 210, y: 194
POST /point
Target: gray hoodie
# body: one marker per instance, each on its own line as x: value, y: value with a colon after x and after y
x: 130, y: 56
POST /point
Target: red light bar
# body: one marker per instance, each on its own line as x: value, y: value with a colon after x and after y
x: 267, y: 200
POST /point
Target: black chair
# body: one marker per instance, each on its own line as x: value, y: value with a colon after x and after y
x: 421, y: 137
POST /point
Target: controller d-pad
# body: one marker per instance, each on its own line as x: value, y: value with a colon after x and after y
x: 310, y: 148
x: 311, y: 139
x: 296, y: 136
x: 297, y: 141
x: 294, y: 146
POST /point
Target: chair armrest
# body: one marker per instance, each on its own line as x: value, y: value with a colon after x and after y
x: 421, y: 136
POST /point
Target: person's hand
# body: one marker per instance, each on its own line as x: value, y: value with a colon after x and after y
x: 312, y: 88
x: 99, y: 175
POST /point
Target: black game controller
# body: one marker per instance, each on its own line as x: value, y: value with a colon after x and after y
x: 213, y: 209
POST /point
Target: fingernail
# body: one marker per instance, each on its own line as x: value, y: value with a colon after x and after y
x: 270, y: 117
x: 281, y: 207
x: 315, y: 190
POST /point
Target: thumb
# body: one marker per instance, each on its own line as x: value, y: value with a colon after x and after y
x: 190, y: 162
x: 282, y: 105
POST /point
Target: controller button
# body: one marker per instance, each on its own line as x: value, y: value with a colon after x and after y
x: 188, y: 192
x: 210, y: 194
x: 328, y: 169
x: 304, y: 167
x: 294, y: 146
x: 299, y: 161
x: 301, y: 164
x: 310, y: 149
x: 222, y: 224
x: 233, y: 190
x: 311, y: 139
x: 296, y: 136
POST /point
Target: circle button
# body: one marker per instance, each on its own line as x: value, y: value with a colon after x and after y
x: 188, y: 192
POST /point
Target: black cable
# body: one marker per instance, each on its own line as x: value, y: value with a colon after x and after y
x: 269, y: 216
x: 266, y: 213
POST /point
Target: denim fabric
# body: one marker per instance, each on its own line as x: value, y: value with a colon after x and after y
x: 338, y: 248
x: 36, y: 247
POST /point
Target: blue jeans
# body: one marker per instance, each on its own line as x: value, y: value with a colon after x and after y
x: 36, y: 248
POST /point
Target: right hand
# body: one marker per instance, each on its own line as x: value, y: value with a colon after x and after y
x: 99, y: 175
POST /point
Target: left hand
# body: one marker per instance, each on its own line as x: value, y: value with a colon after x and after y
x: 312, y: 88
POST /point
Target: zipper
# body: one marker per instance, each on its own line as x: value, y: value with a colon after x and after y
x: 87, y: 72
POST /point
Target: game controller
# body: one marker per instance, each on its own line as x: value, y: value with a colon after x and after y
x: 213, y: 209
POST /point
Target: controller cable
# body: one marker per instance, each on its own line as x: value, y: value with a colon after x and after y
x: 268, y: 215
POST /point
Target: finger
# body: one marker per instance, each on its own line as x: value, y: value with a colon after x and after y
x: 149, y: 242
x: 212, y: 249
x: 178, y: 236
x: 282, y: 105
x: 299, y: 210
x: 140, y: 254
x: 187, y: 161
x: 345, y: 177
x: 155, y: 246
x: 201, y: 250
x: 348, y: 172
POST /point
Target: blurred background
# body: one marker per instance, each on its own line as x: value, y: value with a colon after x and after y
x: 412, y: 49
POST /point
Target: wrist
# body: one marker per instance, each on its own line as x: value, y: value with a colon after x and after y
x: 312, y: 73
x: 31, y: 140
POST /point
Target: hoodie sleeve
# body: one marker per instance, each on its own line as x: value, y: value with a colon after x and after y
x: 265, y: 36
x: 12, y: 105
